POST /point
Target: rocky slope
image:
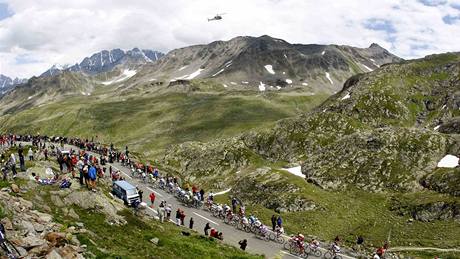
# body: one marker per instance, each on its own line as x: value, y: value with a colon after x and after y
x: 40, y: 90
x: 385, y: 131
x: 34, y: 233
x: 266, y: 63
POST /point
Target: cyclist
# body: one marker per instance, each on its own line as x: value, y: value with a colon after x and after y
x: 299, y: 242
x: 263, y: 230
x: 245, y: 221
x: 242, y: 211
x: 314, y: 244
x: 279, y: 231
x: 335, y: 248
x: 226, y: 208
x: 252, y: 219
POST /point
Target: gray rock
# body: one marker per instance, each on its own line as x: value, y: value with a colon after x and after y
x: 57, y: 201
x: 28, y: 226
x: 7, y: 223
x: 73, y: 214
x: 80, y: 224
x: 53, y: 255
x: 155, y: 240
x: 39, y: 227
x: 15, y: 188
x: 31, y: 241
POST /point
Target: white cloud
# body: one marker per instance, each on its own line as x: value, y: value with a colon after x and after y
x: 53, y: 31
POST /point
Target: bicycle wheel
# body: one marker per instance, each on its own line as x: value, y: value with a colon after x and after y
x: 328, y: 255
x: 266, y: 238
x: 287, y: 245
x: 294, y: 250
x: 272, y: 236
x: 247, y: 229
x: 280, y: 239
x: 317, y: 252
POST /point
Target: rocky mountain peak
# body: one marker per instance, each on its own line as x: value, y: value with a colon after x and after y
x: 107, y: 60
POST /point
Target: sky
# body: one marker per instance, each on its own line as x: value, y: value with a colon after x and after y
x: 35, y: 34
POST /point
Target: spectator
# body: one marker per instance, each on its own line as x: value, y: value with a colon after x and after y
x: 178, y: 216
x: 182, y: 217
x: 206, y: 229
x: 152, y: 199
x: 279, y: 221
x: 190, y: 225
x: 30, y: 154
x: 273, y: 222
x: 243, y: 244
x: 140, y: 192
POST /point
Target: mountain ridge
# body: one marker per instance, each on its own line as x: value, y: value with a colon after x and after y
x: 271, y: 62
x: 106, y: 61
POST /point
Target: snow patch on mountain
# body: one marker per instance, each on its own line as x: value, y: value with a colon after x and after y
x: 269, y: 68
x: 297, y: 171
x: 127, y: 73
x: 346, y: 97
x: 449, y: 161
x: 218, y: 72
x: 194, y: 74
x: 261, y: 87
x: 328, y: 76
x: 368, y: 68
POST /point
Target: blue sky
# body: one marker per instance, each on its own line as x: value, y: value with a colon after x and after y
x: 4, y: 11
x: 35, y: 34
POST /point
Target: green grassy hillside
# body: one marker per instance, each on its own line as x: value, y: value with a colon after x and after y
x: 150, y: 122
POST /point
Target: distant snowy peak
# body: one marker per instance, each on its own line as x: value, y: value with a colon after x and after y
x: 7, y: 82
x: 106, y: 61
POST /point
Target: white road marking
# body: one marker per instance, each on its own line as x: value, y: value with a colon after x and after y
x: 203, y: 217
x: 154, y: 211
x: 286, y: 253
x: 150, y: 189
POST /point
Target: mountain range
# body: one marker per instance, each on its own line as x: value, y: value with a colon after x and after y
x: 106, y: 61
x: 266, y: 63
x: 7, y: 83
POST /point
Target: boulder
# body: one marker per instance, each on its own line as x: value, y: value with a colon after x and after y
x: 32, y: 241
x: 39, y: 251
x: 73, y: 214
x: 57, y: 201
x: 155, y: 240
x: 15, y: 188
x: 7, y: 223
x: 97, y: 202
x: 56, y: 238
x: 53, y: 255
x: 39, y: 227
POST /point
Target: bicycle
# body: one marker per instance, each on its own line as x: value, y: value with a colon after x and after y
x: 277, y: 237
x: 332, y: 254
x: 314, y: 250
x: 244, y: 227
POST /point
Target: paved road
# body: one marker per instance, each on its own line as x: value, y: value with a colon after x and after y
x: 231, y: 235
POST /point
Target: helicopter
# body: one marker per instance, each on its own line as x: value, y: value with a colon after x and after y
x: 216, y: 18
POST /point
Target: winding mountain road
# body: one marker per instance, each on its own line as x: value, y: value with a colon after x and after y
x: 231, y: 235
